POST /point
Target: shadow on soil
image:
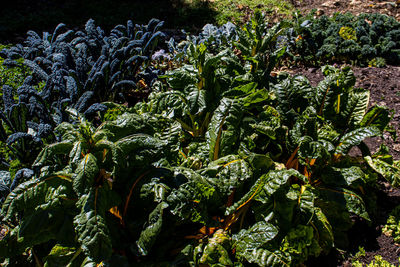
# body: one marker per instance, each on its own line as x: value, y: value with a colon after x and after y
x: 19, y: 16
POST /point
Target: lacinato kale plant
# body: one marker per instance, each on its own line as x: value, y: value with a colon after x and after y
x: 70, y: 70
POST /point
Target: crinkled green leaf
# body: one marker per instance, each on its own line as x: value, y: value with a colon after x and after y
x: 182, y: 77
x: 171, y: 104
x: 90, y: 224
x: 355, y: 137
x: 348, y: 177
x: 48, y: 153
x: 267, y: 257
x: 347, y: 199
x: 241, y: 90
x: 44, y: 193
x: 196, y: 101
x: 377, y: 116
x: 258, y: 235
x: 152, y: 229
x: 354, y: 110
x: 127, y: 124
x: 62, y: 256
x: 228, y: 173
x: 75, y: 154
x: 140, y: 149
x: 223, y: 133
x: 300, y: 243
x: 265, y: 187
x: 85, y: 174
x: 193, y: 199
x: 216, y: 252
x: 37, y: 228
x: 293, y: 93
x: 325, y: 236
x: 390, y: 172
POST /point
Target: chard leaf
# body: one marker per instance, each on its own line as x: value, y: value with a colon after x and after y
x: 355, y: 137
x: 241, y: 91
x: 193, y: 199
x: 196, y: 101
x: 222, y: 134
x: 49, y: 152
x: 90, y: 224
x: 152, y: 229
x: 62, y: 256
x: 265, y: 187
x: 257, y: 236
x: 314, y: 150
x: 182, y: 77
x: 85, y: 174
x: 391, y: 172
x: 347, y: 199
x: 228, y: 173
x: 325, y: 234
x: 267, y: 257
x: 377, y: 116
x: 37, y: 228
x: 44, y: 225
x: 215, y: 252
x: 293, y: 94
x: 75, y: 154
x: 172, y: 104
x: 256, y: 97
x: 348, y: 177
x: 44, y: 193
x: 140, y: 149
x: 127, y: 124
x: 355, y: 108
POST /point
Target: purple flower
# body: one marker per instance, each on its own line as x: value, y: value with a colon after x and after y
x: 160, y: 54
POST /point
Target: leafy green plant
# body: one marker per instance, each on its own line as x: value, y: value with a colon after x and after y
x: 378, y: 262
x: 267, y: 182
x: 392, y: 225
x: 258, y: 45
x: 360, y: 253
x: 222, y: 165
x: 347, y: 33
x: 235, y: 11
x: 344, y: 38
x: 378, y: 62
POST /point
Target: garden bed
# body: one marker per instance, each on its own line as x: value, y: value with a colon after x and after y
x: 203, y: 146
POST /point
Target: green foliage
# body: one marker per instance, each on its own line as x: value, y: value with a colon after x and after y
x: 14, y: 75
x: 366, y: 39
x: 377, y: 262
x: 392, y: 226
x: 235, y: 10
x: 347, y: 33
x: 378, y: 62
x: 223, y: 165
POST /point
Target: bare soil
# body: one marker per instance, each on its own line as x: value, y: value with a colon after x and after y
x: 329, y: 7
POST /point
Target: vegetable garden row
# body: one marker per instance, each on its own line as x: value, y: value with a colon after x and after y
x: 115, y: 151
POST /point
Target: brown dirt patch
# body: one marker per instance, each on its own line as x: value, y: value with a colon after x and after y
x: 329, y: 7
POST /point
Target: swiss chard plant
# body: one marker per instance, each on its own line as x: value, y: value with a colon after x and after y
x: 222, y: 165
x: 268, y: 182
